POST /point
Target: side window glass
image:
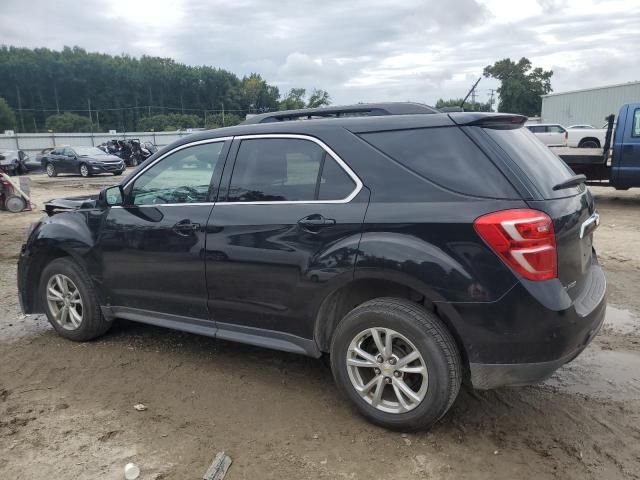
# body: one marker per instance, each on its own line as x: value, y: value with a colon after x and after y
x: 276, y: 169
x: 636, y: 123
x: 335, y: 183
x: 182, y: 177
x: 67, y: 152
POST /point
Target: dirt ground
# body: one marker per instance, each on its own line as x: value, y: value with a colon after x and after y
x: 66, y: 409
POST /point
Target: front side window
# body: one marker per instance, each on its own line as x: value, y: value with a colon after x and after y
x: 283, y: 169
x: 182, y: 177
x: 636, y: 123
x: 555, y: 129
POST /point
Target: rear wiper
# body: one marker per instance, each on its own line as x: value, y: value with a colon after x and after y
x: 571, y: 182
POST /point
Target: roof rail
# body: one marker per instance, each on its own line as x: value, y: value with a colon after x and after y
x: 359, y: 110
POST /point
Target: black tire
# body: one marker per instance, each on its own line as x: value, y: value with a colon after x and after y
x: 589, y: 143
x: 86, y: 172
x: 51, y: 170
x: 93, y: 324
x: 133, y: 162
x: 430, y: 337
x: 117, y: 173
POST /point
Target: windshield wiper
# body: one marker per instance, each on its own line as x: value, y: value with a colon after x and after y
x: 570, y: 182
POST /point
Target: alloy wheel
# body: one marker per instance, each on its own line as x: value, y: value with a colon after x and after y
x: 65, y: 302
x: 387, y: 370
x: 84, y: 170
x: 50, y: 170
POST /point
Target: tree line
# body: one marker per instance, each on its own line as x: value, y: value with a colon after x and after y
x: 49, y: 89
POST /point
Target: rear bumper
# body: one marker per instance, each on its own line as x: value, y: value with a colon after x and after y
x: 530, y: 332
x: 486, y: 376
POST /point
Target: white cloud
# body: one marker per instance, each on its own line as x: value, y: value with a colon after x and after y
x: 361, y: 50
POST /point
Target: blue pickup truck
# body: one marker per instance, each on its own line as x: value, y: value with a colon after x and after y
x: 618, y: 164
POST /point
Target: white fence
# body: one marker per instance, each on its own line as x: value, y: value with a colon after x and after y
x: 33, y: 143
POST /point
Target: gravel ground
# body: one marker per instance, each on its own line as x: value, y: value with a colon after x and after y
x: 66, y: 409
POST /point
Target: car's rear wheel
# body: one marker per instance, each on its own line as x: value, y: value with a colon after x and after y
x: 397, y: 363
x: 84, y: 170
x: 51, y: 170
x: 117, y: 173
x: 70, y: 301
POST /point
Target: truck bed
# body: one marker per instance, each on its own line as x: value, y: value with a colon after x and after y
x: 589, y: 161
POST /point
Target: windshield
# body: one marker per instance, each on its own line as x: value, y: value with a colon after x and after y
x: 88, y: 151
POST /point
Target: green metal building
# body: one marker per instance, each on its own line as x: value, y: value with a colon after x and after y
x: 588, y: 106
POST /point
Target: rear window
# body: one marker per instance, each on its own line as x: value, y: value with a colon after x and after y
x: 543, y: 168
x: 446, y: 157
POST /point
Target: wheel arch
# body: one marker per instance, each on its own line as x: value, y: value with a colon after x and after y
x: 345, y: 298
x: 587, y: 139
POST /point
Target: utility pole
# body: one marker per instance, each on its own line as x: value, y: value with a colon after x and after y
x: 491, y: 93
x: 472, y: 91
x: 20, y: 107
x: 98, y: 118
x: 55, y: 92
x: 90, y: 116
x: 223, y: 114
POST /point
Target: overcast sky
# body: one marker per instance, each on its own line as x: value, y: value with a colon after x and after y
x: 373, y: 50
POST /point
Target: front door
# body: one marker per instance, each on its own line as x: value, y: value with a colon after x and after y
x: 287, y: 229
x: 153, y: 246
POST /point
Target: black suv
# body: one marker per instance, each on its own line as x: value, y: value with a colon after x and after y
x: 416, y: 248
x: 86, y: 161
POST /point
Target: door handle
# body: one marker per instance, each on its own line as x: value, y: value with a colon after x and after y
x: 184, y: 227
x: 315, y: 221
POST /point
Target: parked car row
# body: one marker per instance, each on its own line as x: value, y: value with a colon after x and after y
x: 580, y: 136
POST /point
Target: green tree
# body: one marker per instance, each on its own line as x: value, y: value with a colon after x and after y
x: 293, y: 100
x: 68, y: 122
x: 170, y: 122
x: 468, y: 106
x: 521, y: 86
x: 318, y: 98
x: 7, y: 117
x: 217, y: 121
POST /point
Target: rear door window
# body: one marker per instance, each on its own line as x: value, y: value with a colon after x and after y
x: 444, y: 156
x: 543, y: 168
x: 635, y: 132
x: 285, y: 169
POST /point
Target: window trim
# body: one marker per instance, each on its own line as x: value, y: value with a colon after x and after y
x: 321, y: 144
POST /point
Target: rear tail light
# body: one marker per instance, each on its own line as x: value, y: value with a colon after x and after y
x: 523, y: 239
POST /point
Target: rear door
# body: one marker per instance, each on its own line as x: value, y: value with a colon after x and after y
x: 286, y: 229
x: 555, y: 135
x: 571, y: 209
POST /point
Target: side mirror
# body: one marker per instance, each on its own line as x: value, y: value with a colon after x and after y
x: 113, y: 196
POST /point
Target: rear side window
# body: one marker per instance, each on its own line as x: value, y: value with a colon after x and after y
x: 543, y: 168
x: 446, y: 157
x: 283, y: 169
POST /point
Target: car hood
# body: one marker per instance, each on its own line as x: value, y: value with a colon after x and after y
x: 101, y: 158
x: 71, y: 203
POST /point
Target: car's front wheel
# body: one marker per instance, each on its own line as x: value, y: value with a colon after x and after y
x: 84, y: 170
x: 70, y: 301
x: 397, y: 363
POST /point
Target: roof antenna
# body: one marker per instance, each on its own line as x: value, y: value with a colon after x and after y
x: 470, y: 91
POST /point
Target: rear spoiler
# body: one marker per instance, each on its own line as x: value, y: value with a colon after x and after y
x: 502, y: 121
